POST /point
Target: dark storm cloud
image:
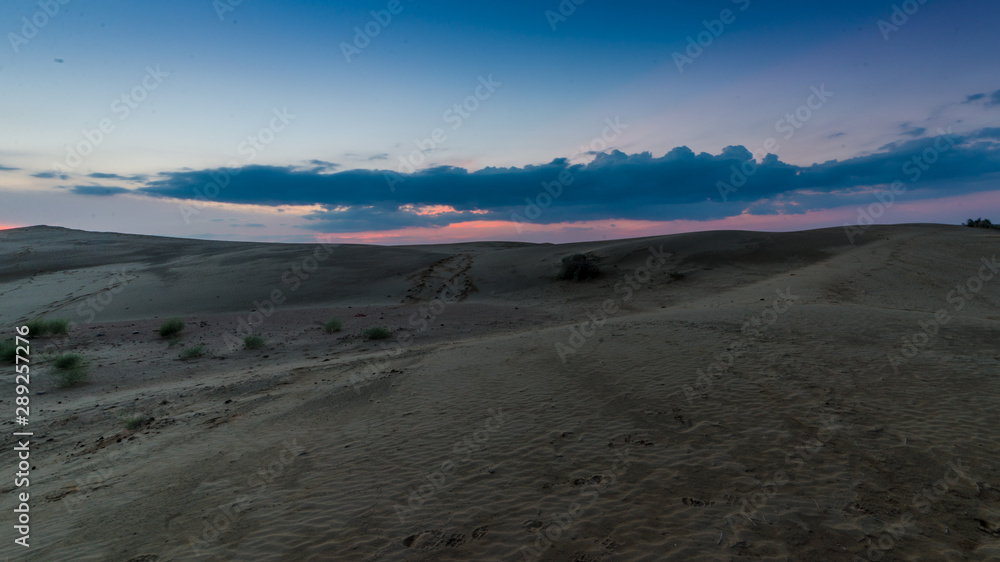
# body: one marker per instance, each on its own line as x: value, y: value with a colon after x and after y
x: 991, y: 99
x: 914, y: 132
x: 679, y: 184
x: 98, y: 190
x: 322, y: 166
x: 104, y: 176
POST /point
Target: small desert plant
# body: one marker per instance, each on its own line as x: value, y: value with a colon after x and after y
x: 67, y: 360
x: 578, y: 267
x: 254, y: 342
x: 134, y: 421
x: 377, y: 333
x: 70, y: 370
x: 676, y: 275
x: 8, y: 351
x: 333, y: 326
x: 36, y: 328
x: 41, y: 327
x: 171, y: 327
x: 58, y: 327
x: 71, y: 377
x: 192, y: 352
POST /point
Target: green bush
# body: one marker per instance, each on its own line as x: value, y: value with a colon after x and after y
x: 58, y: 327
x: 377, y: 333
x: 579, y: 267
x: 171, y: 327
x: 36, y: 328
x: 70, y: 370
x: 8, y: 351
x: 71, y: 377
x: 192, y: 352
x: 254, y: 342
x: 135, y: 421
x: 333, y: 326
x: 981, y: 223
x: 67, y: 361
x: 41, y: 327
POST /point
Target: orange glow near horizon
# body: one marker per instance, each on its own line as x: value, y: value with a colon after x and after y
x: 433, y: 210
x: 612, y: 229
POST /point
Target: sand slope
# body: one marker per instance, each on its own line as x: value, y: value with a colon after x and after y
x: 743, y: 408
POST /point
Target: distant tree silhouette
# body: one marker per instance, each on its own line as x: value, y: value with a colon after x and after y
x: 980, y: 223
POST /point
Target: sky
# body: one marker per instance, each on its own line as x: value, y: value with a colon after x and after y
x: 410, y: 122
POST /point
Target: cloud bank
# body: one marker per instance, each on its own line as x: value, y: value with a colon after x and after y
x: 678, y: 185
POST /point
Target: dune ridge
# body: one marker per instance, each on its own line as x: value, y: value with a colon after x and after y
x: 754, y: 396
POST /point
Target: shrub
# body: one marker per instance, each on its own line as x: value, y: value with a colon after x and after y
x: 333, y: 326
x: 41, y: 327
x: 676, y: 275
x: 135, y: 421
x: 377, y: 333
x: 67, y: 361
x: 8, y: 351
x: 192, y: 352
x: 70, y: 370
x: 71, y: 377
x: 254, y: 342
x: 171, y: 327
x: 36, y: 328
x: 578, y: 267
x: 58, y: 327
x: 980, y: 223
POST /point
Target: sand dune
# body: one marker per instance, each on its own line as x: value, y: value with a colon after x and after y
x: 713, y: 396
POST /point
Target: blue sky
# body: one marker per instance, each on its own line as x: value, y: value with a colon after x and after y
x: 445, y: 121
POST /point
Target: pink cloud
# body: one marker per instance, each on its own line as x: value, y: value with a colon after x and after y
x: 949, y: 210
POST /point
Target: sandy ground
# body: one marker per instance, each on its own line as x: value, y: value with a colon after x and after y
x: 749, y: 396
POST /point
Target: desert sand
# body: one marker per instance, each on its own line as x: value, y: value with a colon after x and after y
x: 749, y: 396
